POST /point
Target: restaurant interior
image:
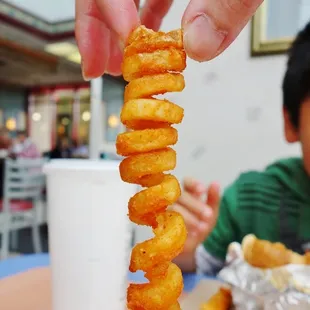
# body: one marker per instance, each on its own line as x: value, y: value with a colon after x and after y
x: 42, y: 91
x: 41, y: 86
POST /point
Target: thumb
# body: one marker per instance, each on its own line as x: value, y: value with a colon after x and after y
x: 210, y: 26
x: 214, y: 196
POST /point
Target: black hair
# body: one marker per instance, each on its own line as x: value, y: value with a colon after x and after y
x: 296, y: 83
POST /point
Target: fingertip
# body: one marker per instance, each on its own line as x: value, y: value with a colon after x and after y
x: 214, y: 195
x: 93, y: 39
x: 216, y: 186
x: 211, y: 26
x: 86, y: 78
x: 127, y: 17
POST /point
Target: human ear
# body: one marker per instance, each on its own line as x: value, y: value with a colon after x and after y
x: 290, y: 131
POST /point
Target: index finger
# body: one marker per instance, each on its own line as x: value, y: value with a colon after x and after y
x: 153, y: 13
x: 121, y: 16
x: 93, y: 38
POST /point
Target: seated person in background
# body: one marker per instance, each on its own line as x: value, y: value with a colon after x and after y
x: 5, y: 139
x: 23, y: 147
x: 80, y: 149
x: 63, y: 149
x: 273, y: 204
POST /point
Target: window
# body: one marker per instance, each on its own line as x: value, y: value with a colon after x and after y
x: 112, y: 95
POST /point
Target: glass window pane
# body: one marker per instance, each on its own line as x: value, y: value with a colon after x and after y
x: 64, y: 113
x: 113, y: 93
x: 85, y: 116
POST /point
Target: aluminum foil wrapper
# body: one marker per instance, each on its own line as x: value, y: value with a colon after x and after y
x: 283, y: 288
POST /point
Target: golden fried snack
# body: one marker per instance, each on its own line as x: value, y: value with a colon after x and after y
x: 222, y: 300
x: 265, y: 254
x: 152, y: 65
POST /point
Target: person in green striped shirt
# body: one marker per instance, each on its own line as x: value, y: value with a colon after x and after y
x: 273, y: 204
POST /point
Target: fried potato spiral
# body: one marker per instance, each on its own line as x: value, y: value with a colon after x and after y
x: 265, y: 254
x: 153, y: 62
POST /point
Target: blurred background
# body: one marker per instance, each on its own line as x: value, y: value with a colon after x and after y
x: 232, y: 104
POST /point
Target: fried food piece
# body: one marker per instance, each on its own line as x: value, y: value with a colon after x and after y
x: 153, y: 62
x: 265, y: 254
x: 222, y: 300
x: 154, y: 85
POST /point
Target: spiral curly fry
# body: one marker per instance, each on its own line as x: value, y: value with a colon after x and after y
x: 265, y: 254
x: 152, y: 65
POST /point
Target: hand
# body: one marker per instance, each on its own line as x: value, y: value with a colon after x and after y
x: 200, y: 216
x: 102, y: 27
x: 210, y: 26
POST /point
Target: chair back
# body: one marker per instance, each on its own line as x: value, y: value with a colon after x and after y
x: 23, y: 179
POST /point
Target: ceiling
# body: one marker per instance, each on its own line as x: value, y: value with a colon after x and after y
x: 24, y: 66
x: 49, y: 10
x: 24, y: 37
x: 42, y: 18
x: 32, y: 49
x: 52, y: 11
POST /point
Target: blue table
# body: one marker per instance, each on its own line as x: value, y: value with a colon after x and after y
x: 19, y: 264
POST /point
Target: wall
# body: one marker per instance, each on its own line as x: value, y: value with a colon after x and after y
x: 232, y: 113
x: 48, y: 10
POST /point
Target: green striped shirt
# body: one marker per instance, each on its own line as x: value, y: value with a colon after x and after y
x: 273, y: 204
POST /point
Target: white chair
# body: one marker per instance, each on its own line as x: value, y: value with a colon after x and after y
x: 23, y: 185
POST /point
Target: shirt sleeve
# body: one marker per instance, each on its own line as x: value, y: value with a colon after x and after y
x: 206, y: 263
x: 30, y: 151
x: 225, y: 230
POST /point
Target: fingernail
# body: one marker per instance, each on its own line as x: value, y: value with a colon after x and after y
x: 85, y: 77
x: 201, y: 38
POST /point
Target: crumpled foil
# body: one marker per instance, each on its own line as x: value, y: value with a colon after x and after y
x: 283, y: 288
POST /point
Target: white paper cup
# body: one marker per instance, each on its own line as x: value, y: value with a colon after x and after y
x: 89, y: 234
